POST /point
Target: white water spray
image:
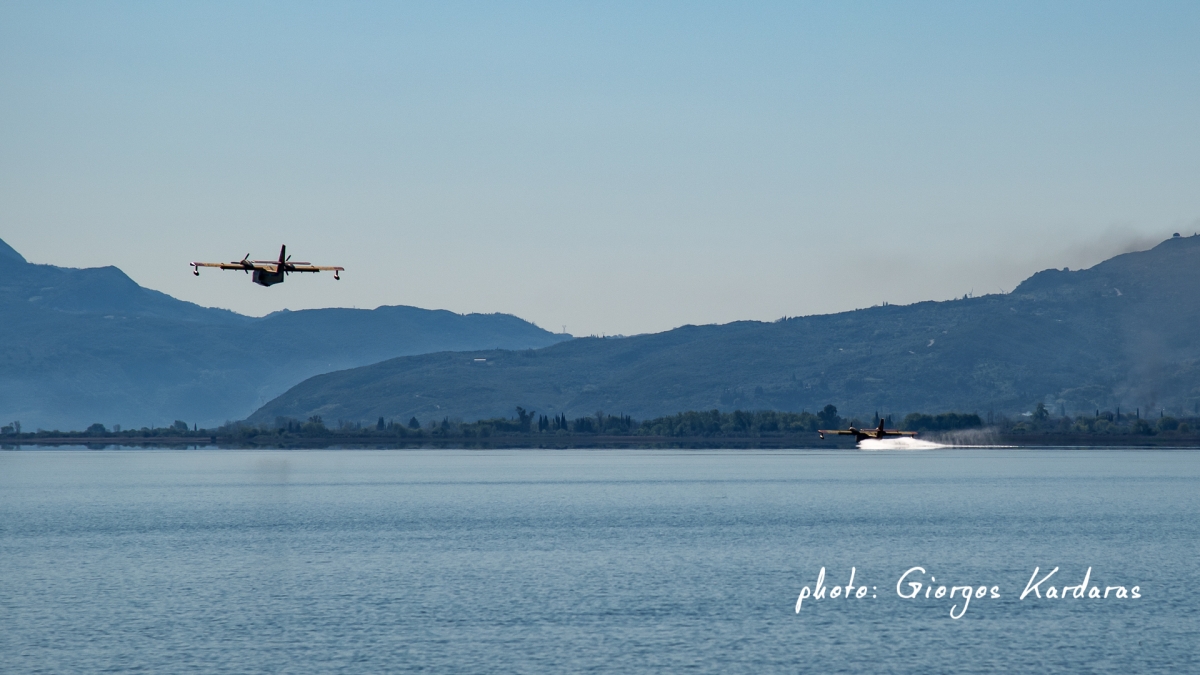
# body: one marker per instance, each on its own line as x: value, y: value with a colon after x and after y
x: 902, y: 443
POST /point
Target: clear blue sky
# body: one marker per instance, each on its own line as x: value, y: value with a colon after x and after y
x: 618, y: 168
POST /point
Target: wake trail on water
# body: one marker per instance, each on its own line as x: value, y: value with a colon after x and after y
x: 968, y: 438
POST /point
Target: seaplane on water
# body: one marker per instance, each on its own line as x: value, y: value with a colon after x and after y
x: 269, y: 272
x: 862, y: 434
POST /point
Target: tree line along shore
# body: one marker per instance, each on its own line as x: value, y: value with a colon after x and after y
x: 761, y: 428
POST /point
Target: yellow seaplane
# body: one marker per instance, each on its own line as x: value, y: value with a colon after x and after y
x: 863, y: 434
x: 269, y: 272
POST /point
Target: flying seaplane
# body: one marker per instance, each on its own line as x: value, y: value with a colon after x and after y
x: 269, y: 272
x: 863, y: 434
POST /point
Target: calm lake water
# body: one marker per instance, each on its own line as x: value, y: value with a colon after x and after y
x: 535, y: 561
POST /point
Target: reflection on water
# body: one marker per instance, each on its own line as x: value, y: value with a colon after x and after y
x: 273, y: 468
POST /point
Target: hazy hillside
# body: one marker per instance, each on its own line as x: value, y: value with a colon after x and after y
x: 1121, y: 333
x: 90, y: 345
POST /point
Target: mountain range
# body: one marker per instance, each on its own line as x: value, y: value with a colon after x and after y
x: 79, y: 346
x: 1123, y: 333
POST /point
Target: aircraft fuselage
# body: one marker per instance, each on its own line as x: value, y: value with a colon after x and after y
x: 265, y: 278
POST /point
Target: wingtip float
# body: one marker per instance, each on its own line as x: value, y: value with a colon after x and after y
x: 269, y: 272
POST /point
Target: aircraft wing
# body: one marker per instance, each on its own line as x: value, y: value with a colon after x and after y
x: 226, y: 266
x: 274, y: 269
x: 314, y: 268
x: 865, y: 433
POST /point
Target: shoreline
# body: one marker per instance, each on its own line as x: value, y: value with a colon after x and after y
x: 1015, y: 441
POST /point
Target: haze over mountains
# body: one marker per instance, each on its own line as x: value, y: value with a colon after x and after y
x: 79, y: 346
x: 1122, y: 333
x: 90, y: 345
